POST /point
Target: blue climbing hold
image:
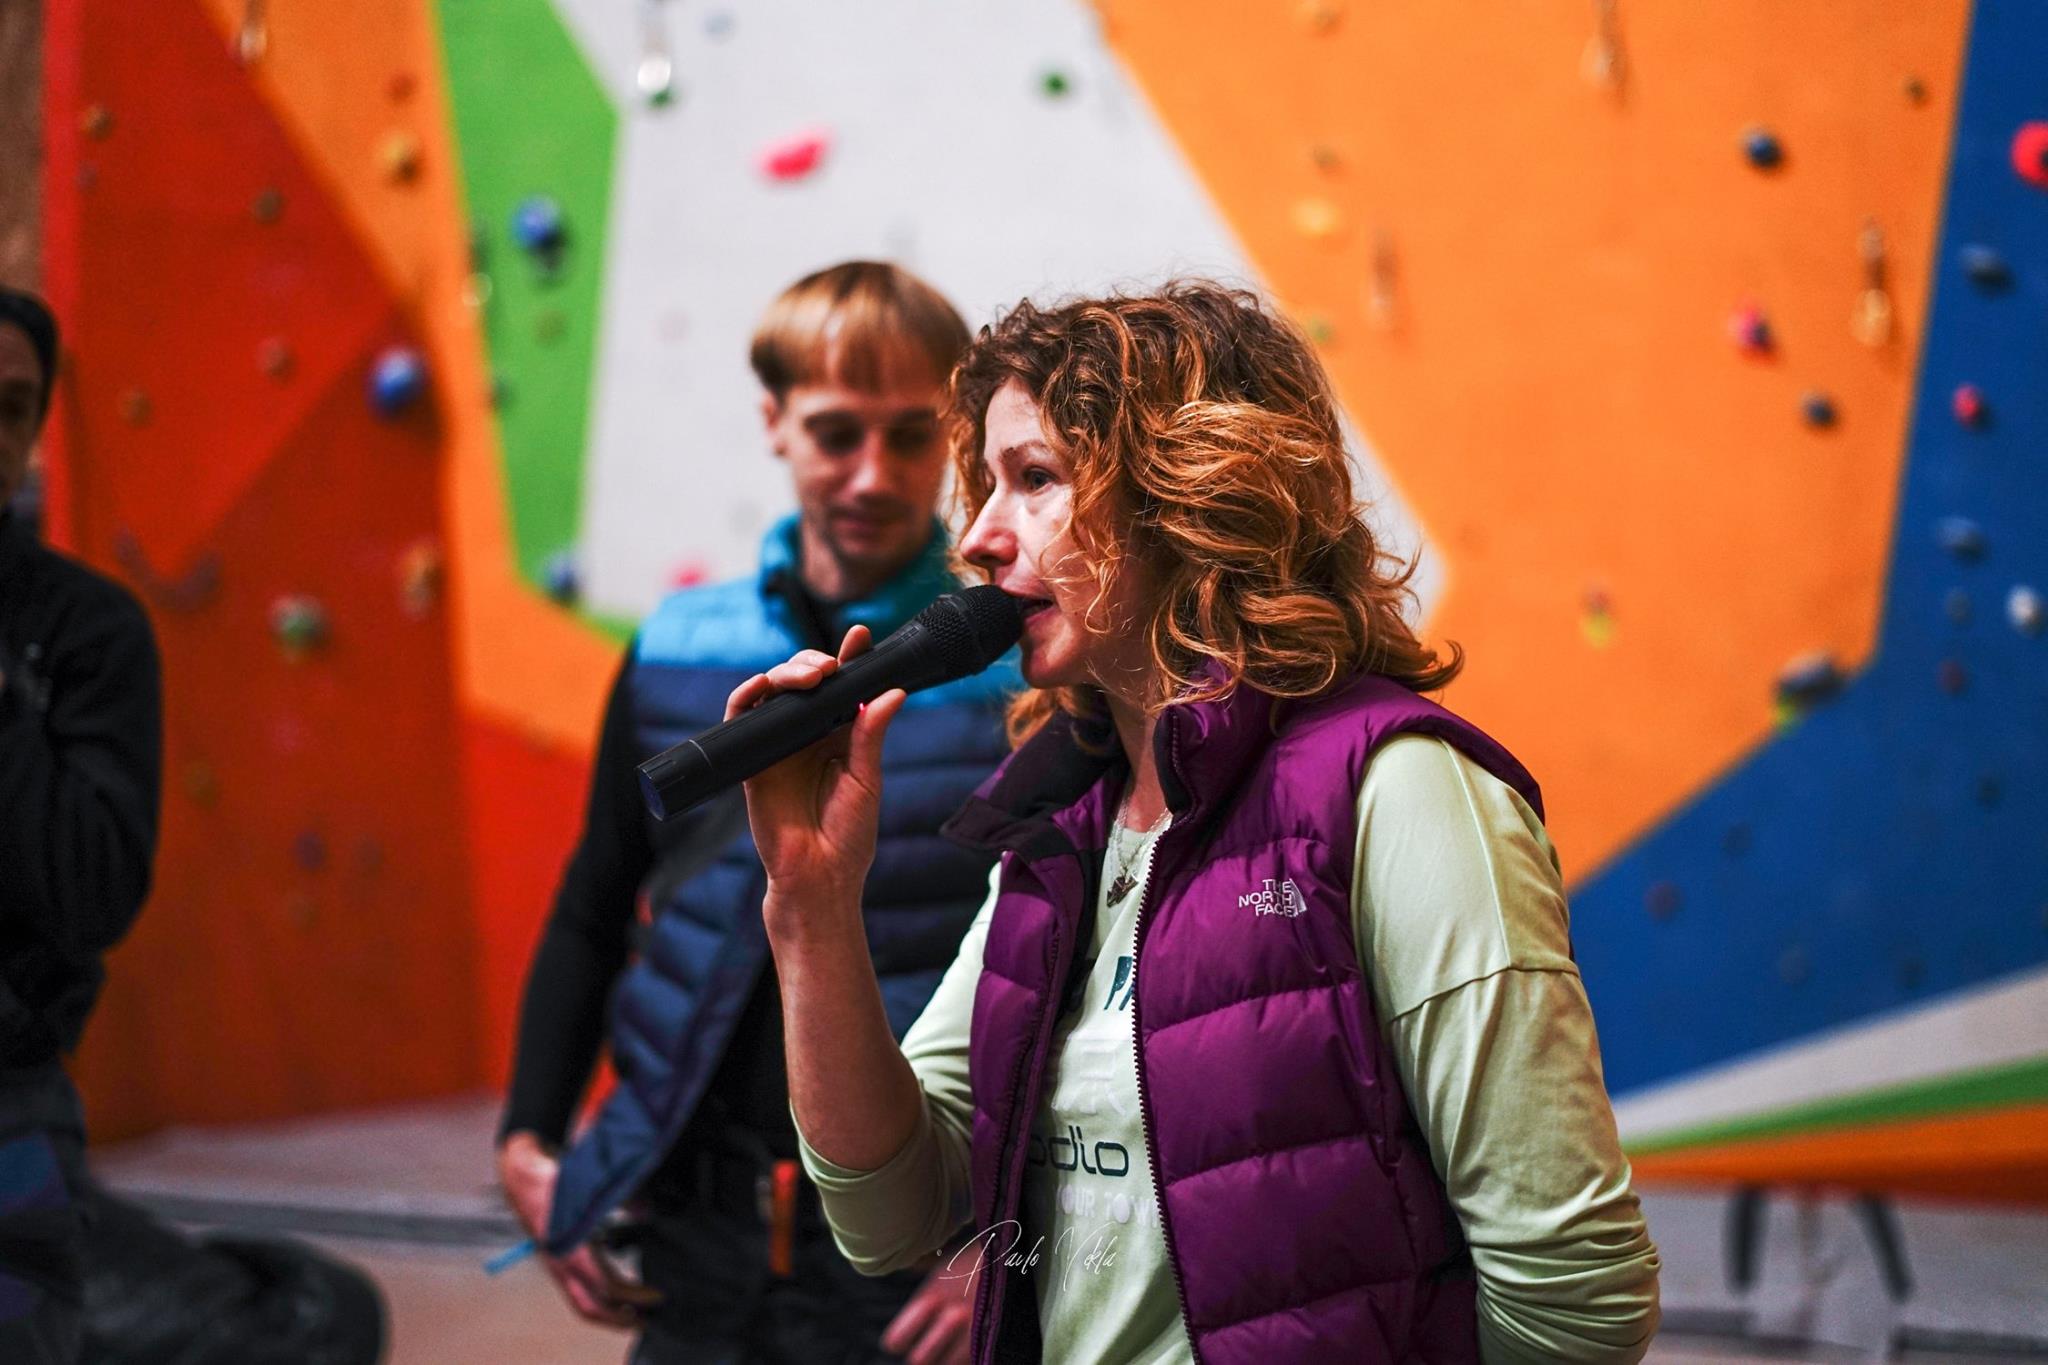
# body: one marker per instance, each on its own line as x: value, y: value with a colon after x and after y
x: 1961, y: 538
x: 397, y: 380
x: 559, y: 578
x: 1763, y: 149
x: 1985, y: 267
x: 537, y: 225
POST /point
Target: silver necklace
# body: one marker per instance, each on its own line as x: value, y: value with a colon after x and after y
x: 1123, y: 882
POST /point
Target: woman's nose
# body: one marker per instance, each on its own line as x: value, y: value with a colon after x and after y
x: 987, y: 544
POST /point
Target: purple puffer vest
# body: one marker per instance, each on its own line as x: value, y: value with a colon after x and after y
x: 1302, y: 1218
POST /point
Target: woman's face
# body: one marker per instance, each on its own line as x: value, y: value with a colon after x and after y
x: 1020, y: 538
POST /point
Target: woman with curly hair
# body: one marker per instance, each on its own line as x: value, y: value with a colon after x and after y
x: 1268, y: 1044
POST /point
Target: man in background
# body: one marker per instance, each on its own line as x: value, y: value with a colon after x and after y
x: 85, y: 1275
x: 81, y: 758
x: 736, y: 1263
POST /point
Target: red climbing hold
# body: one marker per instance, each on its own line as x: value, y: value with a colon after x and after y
x: 2030, y: 153
x: 1968, y: 404
x: 793, y: 158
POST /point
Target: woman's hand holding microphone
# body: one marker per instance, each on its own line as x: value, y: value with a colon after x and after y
x: 815, y: 814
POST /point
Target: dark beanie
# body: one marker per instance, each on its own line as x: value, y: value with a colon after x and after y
x: 22, y: 309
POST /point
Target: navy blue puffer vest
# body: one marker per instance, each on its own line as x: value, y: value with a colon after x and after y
x: 675, y: 1008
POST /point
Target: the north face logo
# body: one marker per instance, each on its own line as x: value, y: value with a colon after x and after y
x: 1271, y: 899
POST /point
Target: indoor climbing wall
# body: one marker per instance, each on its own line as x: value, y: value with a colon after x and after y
x: 1703, y: 361
x: 526, y: 241
x: 1693, y: 344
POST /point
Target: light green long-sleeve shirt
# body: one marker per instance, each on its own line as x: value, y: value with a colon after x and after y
x: 1459, y: 915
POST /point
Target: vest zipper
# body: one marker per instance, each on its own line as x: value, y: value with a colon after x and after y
x: 1145, y: 1096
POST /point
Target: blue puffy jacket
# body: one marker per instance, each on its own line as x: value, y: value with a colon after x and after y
x: 675, y: 1008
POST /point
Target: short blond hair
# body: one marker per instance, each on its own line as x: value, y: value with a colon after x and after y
x: 860, y: 323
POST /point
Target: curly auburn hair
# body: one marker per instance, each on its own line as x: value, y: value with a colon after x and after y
x: 1205, y: 452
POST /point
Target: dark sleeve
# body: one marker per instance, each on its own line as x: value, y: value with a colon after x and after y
x: 81, y: 763
x: 584, y: 945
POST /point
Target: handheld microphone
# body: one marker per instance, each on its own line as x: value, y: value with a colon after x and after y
x: 961, y: 633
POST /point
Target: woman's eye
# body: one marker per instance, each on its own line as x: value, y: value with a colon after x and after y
x: 1035, y: 478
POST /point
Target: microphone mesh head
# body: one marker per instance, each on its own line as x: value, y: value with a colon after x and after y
x: 972, y: 628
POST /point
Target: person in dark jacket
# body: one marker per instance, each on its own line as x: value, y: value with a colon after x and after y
x: 81, y: 740
x: 736, y: 1263
x: 84, y: 1274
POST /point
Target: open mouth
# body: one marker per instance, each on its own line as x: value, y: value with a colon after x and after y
x: 1034, y: 606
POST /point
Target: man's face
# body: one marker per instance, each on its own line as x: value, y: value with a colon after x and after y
x: 21, y: 407
x: 868, y: 468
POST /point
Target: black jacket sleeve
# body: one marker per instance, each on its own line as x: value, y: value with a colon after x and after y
x: 81, y: 765
x: 585, y: 943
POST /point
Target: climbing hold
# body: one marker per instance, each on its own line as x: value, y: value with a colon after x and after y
x: 135, y: 408
x: 400, y: 87
x: 1871, y: 323
x: 537, y: 225
x: 796, y: 156
x: 419, y: 577
x: 1321, y: 16
x: 1955, y: 604
x: 1915, y: 89
x: 1055, y: 84
x: 656, y: 74
x: 274, y: 358
x: 267, y: 206
x: 1809, y: 680
x: 96, y: 122
x: 1314, y: 217
x: 1969, y: 407
x: 1603, y: 62
x: 1381, y: 308
x: 1961, y: 537
x: 1596, y: 619
x: 202, y: 784
x: 252, y: 37
x: 2030, y: 153
x: 559, y: 578
x: 1662, y: 900
x: 400, y: 157
x: 309, y: 851
x: 299, y: 624
x: 1818, y: 409
x: 397, y: 380
x: 1763, y: 149
x: 1751, y: 330
x: 2025, y: 610
x: 1953, y: 677
x: 1985, y: 267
